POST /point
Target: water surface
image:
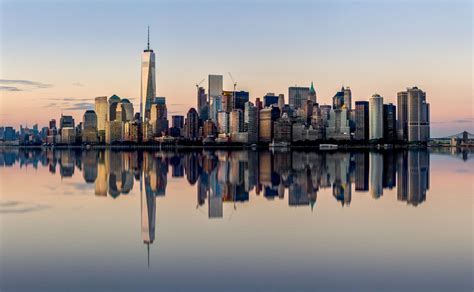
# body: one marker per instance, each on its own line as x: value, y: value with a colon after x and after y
x: 235, y: 220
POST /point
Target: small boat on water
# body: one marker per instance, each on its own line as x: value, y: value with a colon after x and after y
x: 327, y: 146
x: 279, y: 145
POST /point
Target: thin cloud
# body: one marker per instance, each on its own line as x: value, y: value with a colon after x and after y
x: 9, y: 88
x: 19, y: 207
x: 78, y: 84
x: 457, y: 121
x: 80, y: 106
x: 24, y: 84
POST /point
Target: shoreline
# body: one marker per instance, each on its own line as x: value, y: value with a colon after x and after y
x: 229, y: 147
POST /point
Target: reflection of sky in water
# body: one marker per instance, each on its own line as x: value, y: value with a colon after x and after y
x: 235, y: 221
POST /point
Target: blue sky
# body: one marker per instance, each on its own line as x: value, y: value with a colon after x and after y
x: 84, y: 49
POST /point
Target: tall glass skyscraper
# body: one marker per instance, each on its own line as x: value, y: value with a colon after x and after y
x: 376, y: 117
x: 148, y: 87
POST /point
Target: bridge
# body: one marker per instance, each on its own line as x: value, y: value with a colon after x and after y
x: 470, y: 136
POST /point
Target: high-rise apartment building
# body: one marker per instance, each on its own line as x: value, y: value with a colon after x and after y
x: 376, y: 117
x: 402, y: 116
x: 418, y: 116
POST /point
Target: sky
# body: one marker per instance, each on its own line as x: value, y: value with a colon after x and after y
x: 56, y: 56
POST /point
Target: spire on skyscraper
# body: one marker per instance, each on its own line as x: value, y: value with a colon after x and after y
x: 148, y: 43
x: 311, y: 89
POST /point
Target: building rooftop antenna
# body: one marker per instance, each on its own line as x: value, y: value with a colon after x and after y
x: 148, y: 43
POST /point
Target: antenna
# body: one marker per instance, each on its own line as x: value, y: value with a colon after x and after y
x: 148, y: 43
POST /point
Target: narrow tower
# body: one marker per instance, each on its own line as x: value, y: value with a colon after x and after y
x: 148, y: 85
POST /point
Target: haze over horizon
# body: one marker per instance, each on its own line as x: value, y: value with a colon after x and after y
x: 56, y: 56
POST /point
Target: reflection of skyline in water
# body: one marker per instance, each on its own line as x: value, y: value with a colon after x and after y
x: 229, y: 176
x: 163, y: 207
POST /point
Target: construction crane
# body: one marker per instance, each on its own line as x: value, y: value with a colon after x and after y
x: 233, y: 92
x: 233, y: 81
x: 200, y: 82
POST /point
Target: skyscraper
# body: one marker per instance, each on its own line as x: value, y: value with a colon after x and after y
x: 127, y: 110
x: 66, y: 122
x: 402, y: 116
x: 148, y: 85
x: 112, y: 108
x: 192, y: 124
x: 418, y: 116
x: 376, y: 117
x: 270, y: 99
x: 312, y: 93
x: 202, y: 104
x: 90, y: 127
x: 101, y: 112
x: 338, y: 125
x: 215, y: 94
x: 251, y: 122
x: 237, y: 121
x: 338, y: 99
x: 297, y: 96
x: 362, y: 120
x: 159, y: 118
x: 281, y: 101
x: 348, y: 98
x: 389, y: 122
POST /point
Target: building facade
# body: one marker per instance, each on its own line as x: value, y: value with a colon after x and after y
x: 376, y: 117
x: 148, y: 81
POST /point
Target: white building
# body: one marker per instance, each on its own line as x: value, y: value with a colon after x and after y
x: 375, y: 117
x: 148, y: 85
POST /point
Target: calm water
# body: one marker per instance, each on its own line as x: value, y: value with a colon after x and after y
x: 235, y: 220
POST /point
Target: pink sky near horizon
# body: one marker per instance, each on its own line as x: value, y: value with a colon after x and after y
x: 79, y: 60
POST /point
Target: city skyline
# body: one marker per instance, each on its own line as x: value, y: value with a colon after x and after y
x: 72, y: 95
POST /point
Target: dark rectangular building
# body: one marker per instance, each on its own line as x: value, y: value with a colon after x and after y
x: 361, y: 120
x: 389, y: 122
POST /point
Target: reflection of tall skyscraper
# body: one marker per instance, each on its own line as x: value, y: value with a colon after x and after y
x: 361, y: 171
x: 148, y: 213
x: 418, y: 176
x: 90, y: 166
x: 148, y: 86
x: 101, y: 181
x: 402, y: 176
x: 389, y: 170
x: 376, y: 166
